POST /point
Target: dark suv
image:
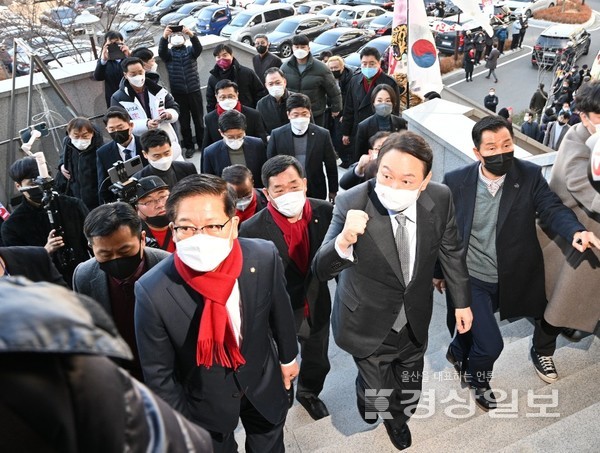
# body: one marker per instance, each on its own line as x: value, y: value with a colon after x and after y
x: 558, y: 41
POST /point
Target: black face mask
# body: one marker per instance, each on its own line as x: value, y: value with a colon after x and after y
x: 498, y: 164
x: 122, y: 268
x: 261, y: 49
x: 120, y: 136
x: 158, y: 221
x: 337, y: 74
x: 36, y: 194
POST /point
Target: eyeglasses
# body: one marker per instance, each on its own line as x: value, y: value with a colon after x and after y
x: 188, y: 231
x: 227, y: 97
x: 154, y: 203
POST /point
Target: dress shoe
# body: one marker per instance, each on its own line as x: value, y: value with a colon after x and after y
x: 188, y: 152
x: 574, y: 335
x: 314, y: 406
x: 400, y: 436
x: 487, y: 77
x: 361, y: 405
x: 458, y: 366
x: 485, y: 398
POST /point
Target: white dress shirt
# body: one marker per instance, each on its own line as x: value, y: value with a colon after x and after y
x: 131, y: 147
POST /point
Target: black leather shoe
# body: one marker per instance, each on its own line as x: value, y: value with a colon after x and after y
x: 189, y: 152
x: 400, y: 436
x: 314, y: 406
x: 360, y: 404
x: 458, y: 366
x: 485, y: 398
x: 574, y: 335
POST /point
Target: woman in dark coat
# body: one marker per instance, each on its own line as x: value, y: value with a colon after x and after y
x: 469, y: 64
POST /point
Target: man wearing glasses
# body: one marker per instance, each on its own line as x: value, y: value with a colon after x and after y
x: 152, y: 197
x: 214, y: 324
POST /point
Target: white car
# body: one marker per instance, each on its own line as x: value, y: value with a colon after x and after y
x: 528, y: 7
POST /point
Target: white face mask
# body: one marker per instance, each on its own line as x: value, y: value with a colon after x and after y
x: 228, y: 104
x: 243, y: 203
x: 492, y: 93
x: 235, y: 143
x: 81, y: 144
x: 203, y: 252
x: 276, y: 91
x: 137, y: 81
x: 300, y: 54
x: 290, y: 204
x: 154, y: 67
x: 162, y: 164
x: 177, y: 40
x: 396, y: 199
x: 299, y: 125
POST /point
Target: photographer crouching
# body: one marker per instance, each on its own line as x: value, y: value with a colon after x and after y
x: 29, y: 223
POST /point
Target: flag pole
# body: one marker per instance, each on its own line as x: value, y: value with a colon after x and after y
x: 407, y: 57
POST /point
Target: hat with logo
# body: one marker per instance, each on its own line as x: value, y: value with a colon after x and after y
x: 149, y: 184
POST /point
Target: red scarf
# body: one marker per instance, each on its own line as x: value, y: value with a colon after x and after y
x: 216, y: 340
x: 368, y: 84
x: 249, y: 211
x: 237, y: 107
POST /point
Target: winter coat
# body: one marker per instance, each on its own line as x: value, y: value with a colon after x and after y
x: 250, y: 87
x: 316, y: 82
x: 492, y: 59
x: 538, y: 101
x: 182, y: 65
x: 490, y: 102
x: 111, y: 73
x: 261, y: 64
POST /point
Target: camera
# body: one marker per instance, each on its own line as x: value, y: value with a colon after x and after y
x: 124, y: 186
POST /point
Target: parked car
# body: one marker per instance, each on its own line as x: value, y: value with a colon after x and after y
x: 212, y: 19
x: 381, y: 25
x: 184, y: 11
x: 312, y: 7
x: 381, y: 44
x: 434, y: 7
x: 164, y: 7
x: 123, y: 8
x: 280, y: 40
x: 359, y: 16
x: 247, y: 24
x: 339, y: 41
x: 528, y: 7
x: 385, y: 4
x: 445, y: 32
x: 333, y: 12
x: 135, y: 9
x: 257, y: 4
x: 60, y: 17
x: 558, y: 41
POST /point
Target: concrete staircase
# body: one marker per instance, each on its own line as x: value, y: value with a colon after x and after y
x: 447, y: 418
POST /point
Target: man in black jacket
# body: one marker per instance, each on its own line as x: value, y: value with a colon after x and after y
x: 109, y: 70
x: 17, y: 262
x: 184, y: 80
x: 272, y: 107
x: 251, y: 88
x: 264, y: 59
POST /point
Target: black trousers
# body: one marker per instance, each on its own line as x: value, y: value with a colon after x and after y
x: 190, y: 109
x: 515, y: 41
x: 396, y: 366
x: 261, y: 435
x: 544, y: 337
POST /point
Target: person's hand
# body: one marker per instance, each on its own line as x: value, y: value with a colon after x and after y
x: 125, y: 49
x: 464, y: 319
x: 362, y: 164
x: 346, y: 140
x: 65, y: 172
x: 104, y: 56
x: 165, y: 116
x: 188, y: 32
x: 289, y: 373
x: 332, y: 196
x: 583, y: 240
x: 334, y: 114
x: 168, y: 32
x: 439, y: 284
x: 54, y: 242
x: 356, y: 223
x: 152, y: 124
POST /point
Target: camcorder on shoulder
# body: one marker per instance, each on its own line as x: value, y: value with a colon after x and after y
x: 124, y: 185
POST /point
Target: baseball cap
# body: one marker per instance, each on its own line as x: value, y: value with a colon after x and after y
x: 149, y: 184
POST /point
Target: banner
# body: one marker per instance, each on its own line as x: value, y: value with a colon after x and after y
x: 472, y: 10
x: 413, y: 48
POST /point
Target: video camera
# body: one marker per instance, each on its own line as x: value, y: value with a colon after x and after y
x: 124, y: 185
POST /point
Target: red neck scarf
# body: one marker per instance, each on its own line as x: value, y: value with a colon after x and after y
x: 249, y: 211
x: 216, y: 340
x: 295, y: 235
x: 237, y: 107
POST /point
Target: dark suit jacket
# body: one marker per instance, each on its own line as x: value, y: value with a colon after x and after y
x: 263, y: 226
x: 549, y: 135
x: 319, y: 151
x: 181, y: 169
x: 33, y: 263
x: 106, y: 156
x: 520, y: 263
x: 216, y: 157
x: 167, y: 318
x: 255, y: 126
x: 370, y: 291
x: 369, y: 127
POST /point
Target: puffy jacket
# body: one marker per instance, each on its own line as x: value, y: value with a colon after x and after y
x: 317, y: 82
x: 250, y: 87
x: 182, y: 65
x: 82, y: 166
x: 111, y: 73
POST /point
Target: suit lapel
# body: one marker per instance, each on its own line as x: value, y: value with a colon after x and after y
x: 99, y: 287
x: 248, y: 285
x: 510, y: 189
x: 468, y: 193
x: 425, y: 230
x: 310, y: 143
x: 276, y: 236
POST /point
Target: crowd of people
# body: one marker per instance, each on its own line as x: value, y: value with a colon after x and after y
x: 211, y: 286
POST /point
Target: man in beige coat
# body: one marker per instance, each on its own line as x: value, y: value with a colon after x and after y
x: 573, y: 278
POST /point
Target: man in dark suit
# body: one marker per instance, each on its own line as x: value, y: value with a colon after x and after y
x: 214, y: 324
x: 382, y: 245
x: 249, y: 199
x: 235, y: 147
x: 297, y: 226
x: 366, y: 167
x: 498, y: 199
x: 115, y: 234
x: 557, y: 130
x: 228, y: 99
x: 310, y: 144
x: 123, y: 147
x: 156, y: 147
x: 17, y: 261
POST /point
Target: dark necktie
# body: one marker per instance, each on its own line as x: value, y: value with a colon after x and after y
x: 403, y: 246
x: 127, y: 153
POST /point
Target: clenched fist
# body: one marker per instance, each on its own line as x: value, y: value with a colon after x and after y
x: 356, y: 222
